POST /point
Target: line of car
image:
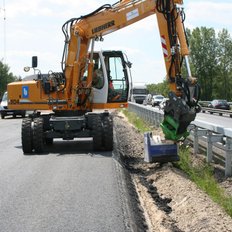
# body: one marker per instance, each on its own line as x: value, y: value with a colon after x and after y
x: 159, y: 100
x: 155, y: 100
x: 219, y: 104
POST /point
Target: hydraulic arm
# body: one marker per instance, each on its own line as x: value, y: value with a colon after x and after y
x: 182, y: 106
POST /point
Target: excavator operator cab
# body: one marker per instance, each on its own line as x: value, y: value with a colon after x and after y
x: 110, y: 77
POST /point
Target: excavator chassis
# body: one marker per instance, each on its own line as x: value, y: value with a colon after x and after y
x: 39, y: 130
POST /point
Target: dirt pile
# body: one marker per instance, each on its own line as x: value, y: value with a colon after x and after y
x: 171, y: 202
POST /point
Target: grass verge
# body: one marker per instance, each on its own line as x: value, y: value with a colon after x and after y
x: 202, y: 175
x: 136, y: 121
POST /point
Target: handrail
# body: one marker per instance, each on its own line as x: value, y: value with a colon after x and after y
x: 215, y: 135
x: 204, y: 103
x: 218, y: 111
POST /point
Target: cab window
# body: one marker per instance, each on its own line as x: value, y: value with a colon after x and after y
x: 117, y: 80
x: 98, y: 76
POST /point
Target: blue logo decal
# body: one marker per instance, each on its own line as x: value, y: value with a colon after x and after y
x: 25, y: 92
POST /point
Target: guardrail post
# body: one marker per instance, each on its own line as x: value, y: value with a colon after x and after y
x: 211, y: 138
x: 161, y: 117
x: 197, y: 133
x: 195, y: 141
x: 150, y: 117
x: 228, y: 167
x: 155, y: 120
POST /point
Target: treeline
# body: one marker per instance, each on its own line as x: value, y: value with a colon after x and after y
x: 210, y: 60
x: 211, y: 63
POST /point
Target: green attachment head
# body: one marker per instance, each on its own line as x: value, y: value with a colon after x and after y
x: 171, y: 129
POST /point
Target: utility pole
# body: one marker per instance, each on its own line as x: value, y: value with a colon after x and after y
x: 3, y: 9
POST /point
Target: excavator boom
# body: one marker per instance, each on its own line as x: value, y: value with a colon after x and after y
x: 170, y: 17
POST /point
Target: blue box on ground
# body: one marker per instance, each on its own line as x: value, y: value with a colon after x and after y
x: 158, y: 151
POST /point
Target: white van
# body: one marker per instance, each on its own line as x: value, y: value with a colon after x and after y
x: 5, y: 111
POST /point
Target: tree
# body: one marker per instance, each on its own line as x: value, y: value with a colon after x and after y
x: 224, y: 66
x: 210, y: 61
x: 5, y: 77
x: 203, y: 46
x: 160, y: 88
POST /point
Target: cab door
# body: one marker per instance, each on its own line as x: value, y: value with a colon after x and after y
x: 118, y: 83
x: 111, y: 71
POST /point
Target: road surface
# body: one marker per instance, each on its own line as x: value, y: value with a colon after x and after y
x: 68, y: 188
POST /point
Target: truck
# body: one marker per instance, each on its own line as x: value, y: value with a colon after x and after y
x: 139, y: 93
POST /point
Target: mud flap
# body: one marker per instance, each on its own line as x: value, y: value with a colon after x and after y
x: 159, y: 151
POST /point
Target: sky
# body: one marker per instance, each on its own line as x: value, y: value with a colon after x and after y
x: 33, y: 28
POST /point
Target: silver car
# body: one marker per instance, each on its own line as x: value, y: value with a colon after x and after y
x: 5, y: 111
x: 157, y: 99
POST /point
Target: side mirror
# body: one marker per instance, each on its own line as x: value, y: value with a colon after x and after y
x: 128, y: 64
x: 34, y: 61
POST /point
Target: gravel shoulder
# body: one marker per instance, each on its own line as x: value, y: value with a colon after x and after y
x: 171, y: 202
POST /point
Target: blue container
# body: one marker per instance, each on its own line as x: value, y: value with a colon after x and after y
x: 159, y: 152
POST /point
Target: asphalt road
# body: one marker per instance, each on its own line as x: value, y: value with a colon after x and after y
x: 68, y: 188
x: 224, y: 120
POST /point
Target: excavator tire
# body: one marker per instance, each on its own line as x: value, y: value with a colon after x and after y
x: 107, y: 133
x: 49, y: 141
x: 26, y: 136
x: 38, y: 138
x: 97, y: 133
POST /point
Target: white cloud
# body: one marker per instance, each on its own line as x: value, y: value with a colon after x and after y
x: 34, y: 28
x: 209, y: 14
x: 47, y: 8
x: 22, y: 8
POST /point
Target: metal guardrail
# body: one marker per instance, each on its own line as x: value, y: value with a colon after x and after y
x: 214, y: 136
x: 216, y: 111
x: 206, y: 103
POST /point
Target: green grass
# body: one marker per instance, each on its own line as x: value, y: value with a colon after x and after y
x: 202, y: 175
x: 136, y: 121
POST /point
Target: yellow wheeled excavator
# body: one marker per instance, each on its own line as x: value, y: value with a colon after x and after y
x: 93, y: 80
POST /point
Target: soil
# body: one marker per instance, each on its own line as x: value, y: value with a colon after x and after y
x: 170, y: 200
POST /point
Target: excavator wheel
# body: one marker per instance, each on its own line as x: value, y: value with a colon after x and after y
x: 26, y: 136
x: 97, y: 133
x: 38, y: 138
x: 49, y: 141
x: 107, y: 133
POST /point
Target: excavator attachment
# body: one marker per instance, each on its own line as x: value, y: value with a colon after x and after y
x: 159, y: 151
x: 178, y: 114
x: 170, y: 129
x: 177, y: 117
